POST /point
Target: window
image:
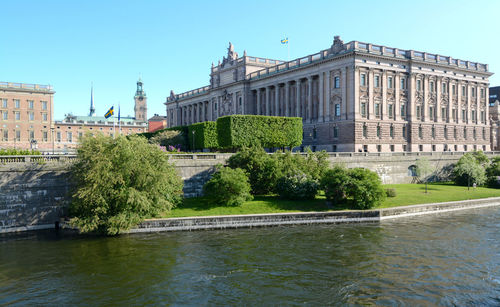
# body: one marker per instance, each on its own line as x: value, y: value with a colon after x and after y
x: 404, y: 147
x: 443, y: 113
x: 31, y: 115
x: 454, y: 115
x: 431, y: 112
x: 419, y: 85
x: 5, y: 115
x: 465, y: 147
x: 455, y: 147
x: 315, y: 133
x: 445, y: 88
x: 378, y: 131
x: 17, y: 115
x: 463, y: 90
x: 58, y: 136
x: 44, y: 105
x: 473, y: 92
x: 389, y: 110
x: 377, y: 81
x: 474, y: 135
x: 17, y: 103
x: 431, y: 87
x: 484, y: 134
x: 473, y: 116
x: 403, y: 83
x: 80, y: 134
x: 335, y: 132
x: 5, y: 135
x: 363, y: 80
x: 379, y: 148
x: 392, y: 147
x: 70, y: 137
x: 433, y: 147
x: 239, y: 101
x: 419, y: 112
x: 337, y: 82
x: 32, y: 135
x: 453, y: 89
x: 363, y: 109
x: 391, y: 131
x: 44, y: 117
x: 377, y: 109
x: 389, y: 82
x: 465, y: 133
x: 45, y: 136
x: 433, y: 132
x: 4, y: 103
x: 464, y: 116
x: 404, y: 131
x: 18, y: 135
x: 30, y: 104
x: 421, y: 147
x: 482, y: 93
x: 337, y: 109
x: 446, y: 133
x: 455, y: 133
x: 420, y: 132
x: 365, y: 131
x: 403, y: 110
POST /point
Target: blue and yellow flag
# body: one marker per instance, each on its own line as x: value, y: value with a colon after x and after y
x: 284, y: 41
x: 109, y: 113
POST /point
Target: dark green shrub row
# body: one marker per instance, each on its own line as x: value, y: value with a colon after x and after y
x: 205, y: 135
x: 237, y: 131
x: 18, y: 152
x: 358, y: 188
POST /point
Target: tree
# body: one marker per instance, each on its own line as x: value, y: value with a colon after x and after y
x: 423, y: 169
x: 166, y: 138
x: 469, y: 170
x: 228, y: 187
x: 119, y: 182
x: 335, y: 182
x: 365, y: 188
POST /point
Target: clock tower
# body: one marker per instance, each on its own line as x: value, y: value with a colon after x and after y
x: 140, y: 108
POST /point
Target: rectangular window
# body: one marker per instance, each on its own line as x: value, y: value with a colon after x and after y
x: 473, y: 92
x: 45, y: 136
x: 389, y: 82
x: 418, y: 111
x: 402, y: 83
x: 5, y: 115
x: 377, y: 109
x: 474, y: 133
x: 473, y: 115
x: 482, y: 93
x: 379, y: 148
x: 420, y: 132
x: 431, y: 113
x: 443, y: 113
x: 431, y: 87
x: 463, y: 116
x: 30, y: 104
x: 363, y: 80
x: 454, y: 115
x: 378, y: 131
x: 44, y: 105
x: 463, y: 90
x: 392, y: 147
x: 483, y: 117
x: 403, y: 110
x: 433, y: 132
x: 44, y: 117
x: 70, y: 137
x: 363, y: 109
x: 58, y: 136
x: 335, y: 132
x: 404, y: 131
x: 454, y: 89
x: 445, y: 89
x: 4, y: 103
x: 389, y: 110
x: 446, y: 132
x: 484, y: 134
x: 32, y: 135
x: 31, y: 115
x: 17, y: 103
x: 18, y: 135
x: 17, y: 115
x: 391, y: 131
x: 419, y: 85
x: 337, y: 109
x: 455, y: 133
x: 5, y: 135
x: 377, y: 81
x: 365, y: 131
x: 80, y: 134
x: 465, y: 133
x: 337, y: 82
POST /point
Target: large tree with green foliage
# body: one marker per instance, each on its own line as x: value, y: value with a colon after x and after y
x: 119, y: 182
x: 424, y: 168
x: 470, y: 169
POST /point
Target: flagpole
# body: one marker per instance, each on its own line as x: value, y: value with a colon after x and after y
x: 119, y: 120
x: 114, y: 123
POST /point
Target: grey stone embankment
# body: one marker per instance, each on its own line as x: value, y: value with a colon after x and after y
x: 331, y: 217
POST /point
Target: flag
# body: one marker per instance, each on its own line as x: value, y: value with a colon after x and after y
x: 118, y: 113
x: 109, y: 113
x: 284, y: 41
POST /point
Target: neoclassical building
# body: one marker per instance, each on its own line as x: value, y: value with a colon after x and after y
x: 352, y: 97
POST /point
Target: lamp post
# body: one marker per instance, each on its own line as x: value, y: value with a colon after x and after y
x: 52, y: 133
x: 194, y: 132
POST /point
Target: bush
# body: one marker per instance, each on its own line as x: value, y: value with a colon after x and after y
x: 335, y: 184
x: 493, y: 173
x: 170, y: 139
x: 228, y: 187
x: 297, y: 187
x: 238, y: 131
x: 119, y: 182
x: 205, y: 135
x: 261, y: 168
x: 182, y: 129
x: 313, y: 164
x: 18, y: 152
x: 470, y: 169
x: 365, y: 188
x: 390, y: 192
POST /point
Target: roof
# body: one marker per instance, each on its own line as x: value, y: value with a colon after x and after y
x: 157, y: 118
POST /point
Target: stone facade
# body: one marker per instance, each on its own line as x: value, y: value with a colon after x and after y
x: 353, y: 97
x: 26, y: 115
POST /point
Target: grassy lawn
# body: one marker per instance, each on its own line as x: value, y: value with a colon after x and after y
x: 406, y: 194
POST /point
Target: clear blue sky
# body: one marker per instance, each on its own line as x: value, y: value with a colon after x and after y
x: 70, y: 44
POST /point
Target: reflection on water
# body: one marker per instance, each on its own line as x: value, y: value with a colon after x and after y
x: 431, y: 260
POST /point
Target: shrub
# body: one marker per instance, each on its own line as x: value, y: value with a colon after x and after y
x: 470, y: 169
x: 170, y: 139
x: 493, y: 173
x: 18, y: 152
x: 313, y: 164
x: 334, y: 183
x: 297, y: 187
x: 119, y: 182
x: 365, y: 188
x: 390, y: 192
x: 261, y: 168
x: 228, y: 187
x: 238, y: 131
x: 205, y: 135
x: 182, y: 129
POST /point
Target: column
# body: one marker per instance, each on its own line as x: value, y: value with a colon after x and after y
x: 203, y: 111
x: 410, y: 108
x: 321, y: 97
x: 468, y: 103
x: 343, y: 87
x: 210, y: 112
x: 297, y: 98
x: 383, y: 104
x: 459, y: 102
x: 276, y: 100
x: 268, y: 96
x: 308, y: 114
x: 328, y: 95
x: 397, y: 86
x: 287, y: 98
x: 439, y: 93
x: 370, y: 108
x: 258, y: 101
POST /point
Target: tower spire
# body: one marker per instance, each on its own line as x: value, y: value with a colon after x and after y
x: 92, y: 108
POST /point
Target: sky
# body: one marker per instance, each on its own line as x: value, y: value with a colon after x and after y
x: 171, y: 44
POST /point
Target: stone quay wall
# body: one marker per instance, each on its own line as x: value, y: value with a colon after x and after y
x: 34, y: 190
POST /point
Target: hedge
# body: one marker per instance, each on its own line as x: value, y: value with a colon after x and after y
x: 236, y: 131
x: 205, y: 135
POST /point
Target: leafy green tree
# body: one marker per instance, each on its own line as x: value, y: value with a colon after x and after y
x: 469, y: 170
x: 297, y: 187
x: 119, y: 182
x: 228, y: 187
x: 493, y: 173
x: 424, y: 168
x: 365, y: 188
x: 334, y: 183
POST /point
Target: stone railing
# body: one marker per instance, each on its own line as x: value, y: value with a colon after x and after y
x: 36, y: 159
x: 26, y: 86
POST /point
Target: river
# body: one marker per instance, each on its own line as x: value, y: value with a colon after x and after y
x: 447, y: 259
